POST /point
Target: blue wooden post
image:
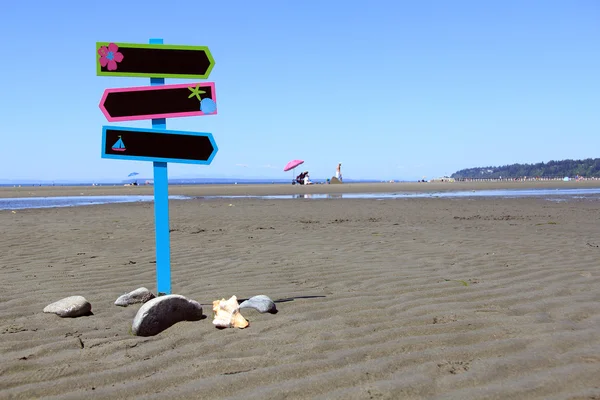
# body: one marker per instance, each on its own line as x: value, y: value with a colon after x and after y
x: 161, y: 209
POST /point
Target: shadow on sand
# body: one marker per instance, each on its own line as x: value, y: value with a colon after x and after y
x: 284, y: 300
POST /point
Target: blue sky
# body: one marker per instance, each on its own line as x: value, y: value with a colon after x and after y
x: 392, y: 89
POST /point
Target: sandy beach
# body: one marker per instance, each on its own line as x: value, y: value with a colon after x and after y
x: 482, y: 298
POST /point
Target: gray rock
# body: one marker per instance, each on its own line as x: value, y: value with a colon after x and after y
x: 140, y: 295
x: 163, y: 312
x: 73, y: 306
x: 260, y: 303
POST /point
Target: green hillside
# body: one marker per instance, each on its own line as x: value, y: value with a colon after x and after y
x: 587, y: 168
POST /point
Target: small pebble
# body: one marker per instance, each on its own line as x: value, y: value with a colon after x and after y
x: 140, y: 295
x: 260, y: 303
x: 73, y: 306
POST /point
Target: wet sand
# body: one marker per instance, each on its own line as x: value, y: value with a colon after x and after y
x: 400, y: 298
x: 282, y: 189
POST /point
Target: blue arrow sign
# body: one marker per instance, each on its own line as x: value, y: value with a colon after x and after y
x: 158, y: 145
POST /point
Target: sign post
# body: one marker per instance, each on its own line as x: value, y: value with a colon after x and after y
x: 161, y: 208
x: 157, y: 102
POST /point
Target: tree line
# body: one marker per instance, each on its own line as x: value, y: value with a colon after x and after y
x: 588, y: 168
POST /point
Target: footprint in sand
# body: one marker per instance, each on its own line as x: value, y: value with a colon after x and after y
x: 455, y: 367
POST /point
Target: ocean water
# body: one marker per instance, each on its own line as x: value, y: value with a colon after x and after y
x: 505, y: 193
x: 75, y: 201
x: 174, y: 181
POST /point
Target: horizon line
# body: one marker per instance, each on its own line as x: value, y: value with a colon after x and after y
x: 113, y: 180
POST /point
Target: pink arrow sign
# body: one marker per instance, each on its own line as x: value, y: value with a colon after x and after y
x: 166, y: 101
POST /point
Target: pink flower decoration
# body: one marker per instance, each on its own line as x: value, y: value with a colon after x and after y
x: 110, y: 56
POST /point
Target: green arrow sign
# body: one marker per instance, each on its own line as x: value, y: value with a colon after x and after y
x: 153, y: 60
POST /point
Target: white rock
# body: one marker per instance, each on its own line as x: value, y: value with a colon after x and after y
x: 163, y: 312
x: 260, y: 303
x: 73, y: 306
x: 140, y: 295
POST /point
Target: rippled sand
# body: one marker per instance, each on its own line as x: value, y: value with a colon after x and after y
x: 383, y: 299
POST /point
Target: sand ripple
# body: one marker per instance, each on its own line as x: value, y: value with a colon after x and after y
x: 428, y: 298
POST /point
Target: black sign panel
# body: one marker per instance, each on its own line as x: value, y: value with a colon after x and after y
x: 153, y: 60
x: 158, y: 145
x: 168, y: 101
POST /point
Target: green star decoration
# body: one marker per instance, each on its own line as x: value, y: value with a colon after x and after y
x: 196, y: 92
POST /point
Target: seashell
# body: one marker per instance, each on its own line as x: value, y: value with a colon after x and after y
x: 260, y: 303
x: 227, y: 314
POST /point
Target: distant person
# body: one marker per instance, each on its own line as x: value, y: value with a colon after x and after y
x: 307, y: 180
x: 300, y: 178
x: 338, y: 172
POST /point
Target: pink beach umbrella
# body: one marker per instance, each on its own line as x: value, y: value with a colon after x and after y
x: 292, y: 166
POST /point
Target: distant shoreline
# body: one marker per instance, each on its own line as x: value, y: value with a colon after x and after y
x: 288, y: 189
